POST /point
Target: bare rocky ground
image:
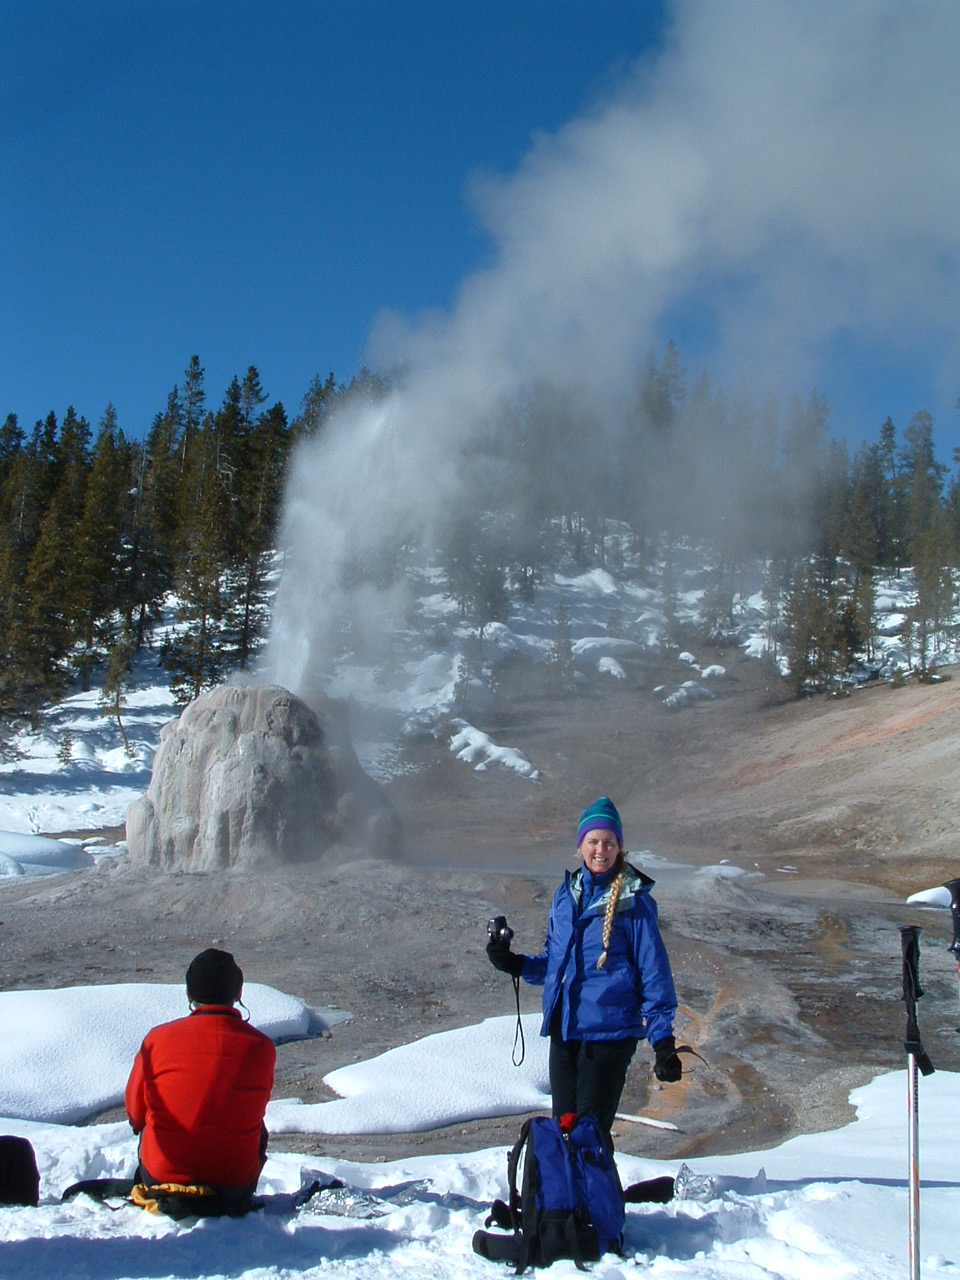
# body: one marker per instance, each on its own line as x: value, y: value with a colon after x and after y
x: 789, y: 978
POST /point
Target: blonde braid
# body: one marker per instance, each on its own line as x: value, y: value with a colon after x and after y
x: 611, y: 911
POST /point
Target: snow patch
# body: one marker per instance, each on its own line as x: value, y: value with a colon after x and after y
x: 39, y: 856
x: 690, y: 691
x: 477, y: 748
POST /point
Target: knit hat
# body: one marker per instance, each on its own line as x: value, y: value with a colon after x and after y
x: 214, y: 977
x: 603, y: 814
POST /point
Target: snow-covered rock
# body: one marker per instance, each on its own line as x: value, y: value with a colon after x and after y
x: 689, y: 692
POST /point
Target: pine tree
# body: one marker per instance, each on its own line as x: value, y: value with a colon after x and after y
x: 800, y: 627
x: 153, y: 534
x: 546, y: 458
x: 28, y: 482
x: 834, y: 501
x: 113, y: 692
x: 12, y: 440
x: 671, y: 598
x: 491, y: 600
x: 805, y: 467
x: 861, y: 533
x: 865, y: 601
x: 772, y: 593
x: 752, y: 479
x: 953, y: 514
x: 73, y: 457
x: 924, y: 482
x: 95, y: 566
x: 932, y: 613
x: 456, y: 558
x: 315, y: 408
x: 226, y: 432
x: 850, y: 631
x: 196, y: 655
x: 193, y: 400
x: 894, y: 544
x: 12, y: 672
x: 44, y: 446
x: 717, y: 603
x: 469, y: 668
x: 53, y: 596
x: 812, y: 642
x: 46, y: 608
x: 259, y: 491
x: 663, y: 390
x: 526, y: 540
x: 561, y: 672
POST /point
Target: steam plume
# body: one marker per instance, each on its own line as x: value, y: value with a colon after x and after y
x: 781, y: 175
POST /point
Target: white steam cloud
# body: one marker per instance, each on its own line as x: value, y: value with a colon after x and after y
x: 782, y: 175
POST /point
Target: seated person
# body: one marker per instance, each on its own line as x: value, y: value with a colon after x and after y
x: 199, y: 1088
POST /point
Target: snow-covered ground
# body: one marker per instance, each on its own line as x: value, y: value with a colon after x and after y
x: 829, y: 1205
x: 74, y: 773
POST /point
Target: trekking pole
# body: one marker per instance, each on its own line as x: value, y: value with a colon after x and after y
x: 916, y: 1058
x: 953, y: 888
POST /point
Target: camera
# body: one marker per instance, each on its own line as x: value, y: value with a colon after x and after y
x: 498, y: 929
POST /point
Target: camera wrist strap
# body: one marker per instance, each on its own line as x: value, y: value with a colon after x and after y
x: 518, y: 1034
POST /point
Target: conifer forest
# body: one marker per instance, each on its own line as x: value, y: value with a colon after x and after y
x: 99, y: 531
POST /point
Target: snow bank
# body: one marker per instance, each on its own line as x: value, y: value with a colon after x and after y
x: 65, y: 1054
x: 442, y: 1079
x: 38, y: 856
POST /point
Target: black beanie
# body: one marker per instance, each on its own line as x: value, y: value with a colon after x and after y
x: 214, y: 977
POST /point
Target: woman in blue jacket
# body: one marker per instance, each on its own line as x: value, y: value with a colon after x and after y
x: 604, y: 971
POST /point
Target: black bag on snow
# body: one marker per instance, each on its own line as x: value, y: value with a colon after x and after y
x: 19, y: 1175
x: 566, y: 1200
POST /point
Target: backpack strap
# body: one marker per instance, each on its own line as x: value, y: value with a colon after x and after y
x: 513, y: 1163
x: 526, y: 1228
x: 573, y: 1241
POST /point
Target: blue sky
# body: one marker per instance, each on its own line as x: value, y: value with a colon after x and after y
x: 258, y: 183
x: 252, y: 181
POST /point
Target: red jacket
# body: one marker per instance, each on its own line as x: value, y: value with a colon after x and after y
x: 197, y: 1093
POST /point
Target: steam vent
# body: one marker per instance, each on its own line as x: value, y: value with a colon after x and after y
x: 250, y: 777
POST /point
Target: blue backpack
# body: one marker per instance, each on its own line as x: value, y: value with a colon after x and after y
x: 566, y: 1200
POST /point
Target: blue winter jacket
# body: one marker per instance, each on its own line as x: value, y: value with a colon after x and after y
x: 633, y: 994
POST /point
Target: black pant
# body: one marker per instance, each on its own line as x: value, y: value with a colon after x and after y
x: 588, y: 1076
x: 239, y: 1194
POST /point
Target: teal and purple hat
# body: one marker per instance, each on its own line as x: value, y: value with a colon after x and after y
x: 601, y: 814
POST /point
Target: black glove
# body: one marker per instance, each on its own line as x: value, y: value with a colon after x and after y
x: 502, y: 958
x: 667, y: 1065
